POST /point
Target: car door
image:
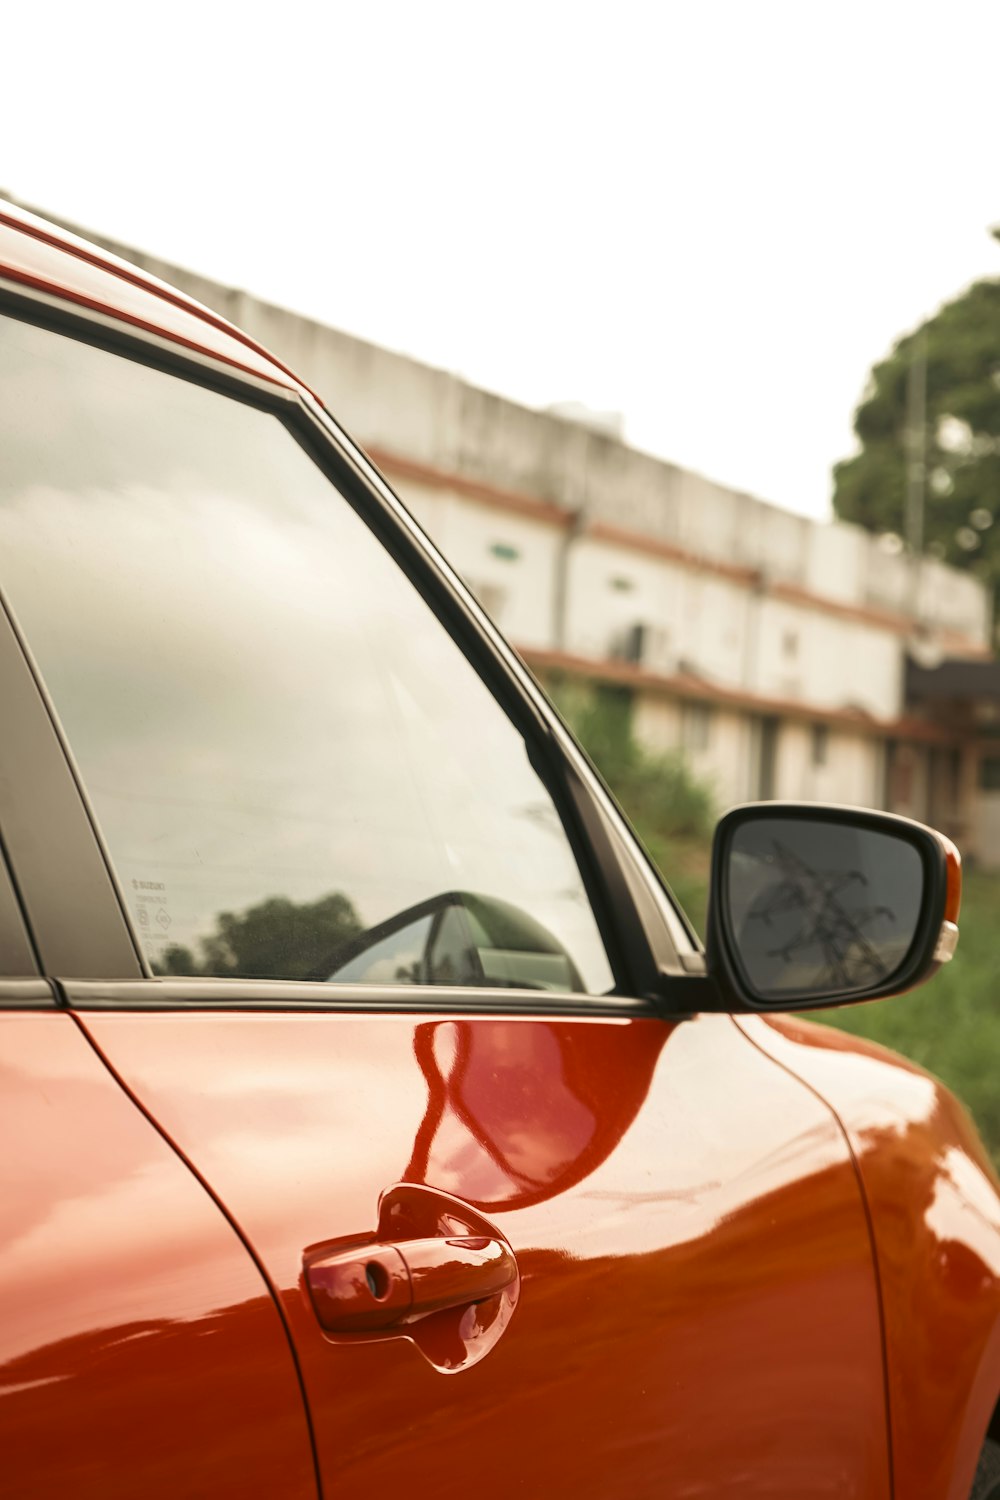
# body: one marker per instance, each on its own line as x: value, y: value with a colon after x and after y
x: 141, y: 1351
x: 373, y: 952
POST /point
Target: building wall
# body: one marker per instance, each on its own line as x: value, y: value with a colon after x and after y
x: 609, y: 588
x: 715, y: 742
x: 509, y: 561
x: 704, y: 636
x: 827, y: 661
x: 820, y: 764
x: 738, y: 626
x: 393, y: 403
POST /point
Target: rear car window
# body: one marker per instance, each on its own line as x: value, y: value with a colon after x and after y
x: 296, y: 771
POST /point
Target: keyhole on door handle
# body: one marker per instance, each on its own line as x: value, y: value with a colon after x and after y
x: 378, y: 1280
x: 435, y: 1273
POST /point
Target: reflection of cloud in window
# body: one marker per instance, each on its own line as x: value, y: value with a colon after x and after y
x: 260, y: 704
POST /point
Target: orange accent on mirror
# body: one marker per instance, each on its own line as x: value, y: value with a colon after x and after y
x: 953, y: 899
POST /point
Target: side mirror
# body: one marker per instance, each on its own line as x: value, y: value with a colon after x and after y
x: 815, y: 906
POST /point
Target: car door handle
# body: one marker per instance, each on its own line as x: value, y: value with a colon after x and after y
x: 382, y: 1284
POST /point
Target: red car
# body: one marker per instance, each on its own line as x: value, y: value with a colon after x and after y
x: 375, y: 1122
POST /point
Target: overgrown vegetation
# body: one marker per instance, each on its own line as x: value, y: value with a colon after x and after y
x: 950, y: 1026
x: 670, y: 809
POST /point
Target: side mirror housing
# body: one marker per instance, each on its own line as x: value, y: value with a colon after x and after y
x: 812, y: 905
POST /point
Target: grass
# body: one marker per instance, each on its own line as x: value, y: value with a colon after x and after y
x: 951, y: 1025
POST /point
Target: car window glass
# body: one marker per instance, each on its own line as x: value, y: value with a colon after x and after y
x: 453, y: 958
x: 396, y: 959
x: 283, y: 746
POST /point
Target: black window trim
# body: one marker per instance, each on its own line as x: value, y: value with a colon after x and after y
x: 198, y: 994
x: 646, y: 935
x: 56, y: 861
x: 18, y: 955
x: 28, y: 994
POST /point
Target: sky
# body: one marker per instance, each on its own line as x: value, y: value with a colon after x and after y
x: 711, y: 217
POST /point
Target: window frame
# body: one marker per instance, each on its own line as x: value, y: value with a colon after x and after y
x: 17, y: 952
x: 645, y: 934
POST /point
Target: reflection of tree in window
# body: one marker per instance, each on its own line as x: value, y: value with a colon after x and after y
x: 275, y: 939
x: 851, y: 959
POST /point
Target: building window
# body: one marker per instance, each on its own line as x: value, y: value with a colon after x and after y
x: 696, y: 727
x: 820, y: 744
x: 504, y: 551
x: 790, y: 644
x: 989, y: 773
x: 767, y: 756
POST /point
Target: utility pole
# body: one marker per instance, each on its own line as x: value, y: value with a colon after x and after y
x: 916, y: 461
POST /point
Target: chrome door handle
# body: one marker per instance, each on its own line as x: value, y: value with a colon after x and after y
x: 380, y: 1285
x: 433, y: 1272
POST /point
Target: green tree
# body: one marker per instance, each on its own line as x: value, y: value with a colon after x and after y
x: 961, y: 346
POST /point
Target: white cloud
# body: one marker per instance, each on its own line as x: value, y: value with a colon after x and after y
x: 713, y: 218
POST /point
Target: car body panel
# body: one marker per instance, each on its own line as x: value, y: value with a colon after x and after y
x: 141, y: 1352
x: 697, y: 1312
x: 932, y: 1195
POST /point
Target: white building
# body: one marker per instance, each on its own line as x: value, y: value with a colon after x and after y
x: 770, y: 649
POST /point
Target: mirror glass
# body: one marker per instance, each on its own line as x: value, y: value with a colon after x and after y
x: 821, y: 908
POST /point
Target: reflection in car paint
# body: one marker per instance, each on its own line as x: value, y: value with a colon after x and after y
x: 493, y: 1135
